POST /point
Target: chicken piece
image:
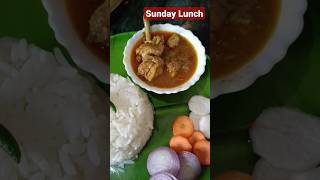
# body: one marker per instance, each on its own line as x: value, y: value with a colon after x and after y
x: 98, y: 24
x: 151, y: 67
x: 139, y: 59
x: 186, y: 65
x: 153, y: 48
x: 176, y: 60
x: 173, y: 41
x: 158, y: 40
x: 173, y: 67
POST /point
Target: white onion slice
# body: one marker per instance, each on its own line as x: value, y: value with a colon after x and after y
x: 190, y: 166
x: 195, y: 119
x: 204, y: 125
x: 199, y: 105
x: 163, y: 159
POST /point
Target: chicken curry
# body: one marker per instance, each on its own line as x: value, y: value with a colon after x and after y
x: 89, y: 18
x: 241, y: 28
x: 167, y: 61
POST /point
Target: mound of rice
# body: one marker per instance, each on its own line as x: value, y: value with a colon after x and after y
x: 132, y: 123
x: 57, y: 116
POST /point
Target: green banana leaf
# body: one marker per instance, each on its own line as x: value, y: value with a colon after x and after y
x: 167, y: 108
x: 233, y: 151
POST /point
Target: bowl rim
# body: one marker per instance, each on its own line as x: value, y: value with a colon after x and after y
x: 288, y: 28
x: 194, y: 40
x: 66, y: 34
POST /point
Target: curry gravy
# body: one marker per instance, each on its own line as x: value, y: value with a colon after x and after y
x: 165, y: 80
x: 235, y: 44
x: 80, y: 12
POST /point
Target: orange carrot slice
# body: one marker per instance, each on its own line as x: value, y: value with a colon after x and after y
x: 202, y: 150
x: 195, y: 137
x: 180, y: 143
x: 183, y: 126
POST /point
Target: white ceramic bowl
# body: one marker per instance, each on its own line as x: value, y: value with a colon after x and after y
x: 289, y: 27
x: 60, y: 22
x: 200, y: 51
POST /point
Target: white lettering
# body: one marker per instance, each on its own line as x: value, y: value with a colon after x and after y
x: 174, y: 15
x: 148, y: 13
x: 157, y: 14
x: 190, y: 14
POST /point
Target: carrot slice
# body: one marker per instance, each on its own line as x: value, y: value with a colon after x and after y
x: 180, y: 143
x: 183, y: 126
x: 196, y: 136
x: 202, y: 150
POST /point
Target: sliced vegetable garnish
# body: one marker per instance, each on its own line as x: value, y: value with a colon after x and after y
x: 163, y: 176
x: 196, y: 136
x: 9, y: 144
x: 202, y: 150
x: 183, y: 126
x: 163, y: 159
x: 190, y: 166
x: 180, y: 143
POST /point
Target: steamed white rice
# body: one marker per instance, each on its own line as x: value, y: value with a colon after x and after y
x: 57, y: 116
x: 132, y: 123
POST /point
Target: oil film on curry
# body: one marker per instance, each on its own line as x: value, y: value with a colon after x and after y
x: 159, y: 91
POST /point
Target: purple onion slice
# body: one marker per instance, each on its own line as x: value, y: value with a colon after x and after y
x: 163, y: 176
x: 163, y: 159
x: 190, y: 167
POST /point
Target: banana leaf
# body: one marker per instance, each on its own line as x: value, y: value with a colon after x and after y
x: 167, y: 108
